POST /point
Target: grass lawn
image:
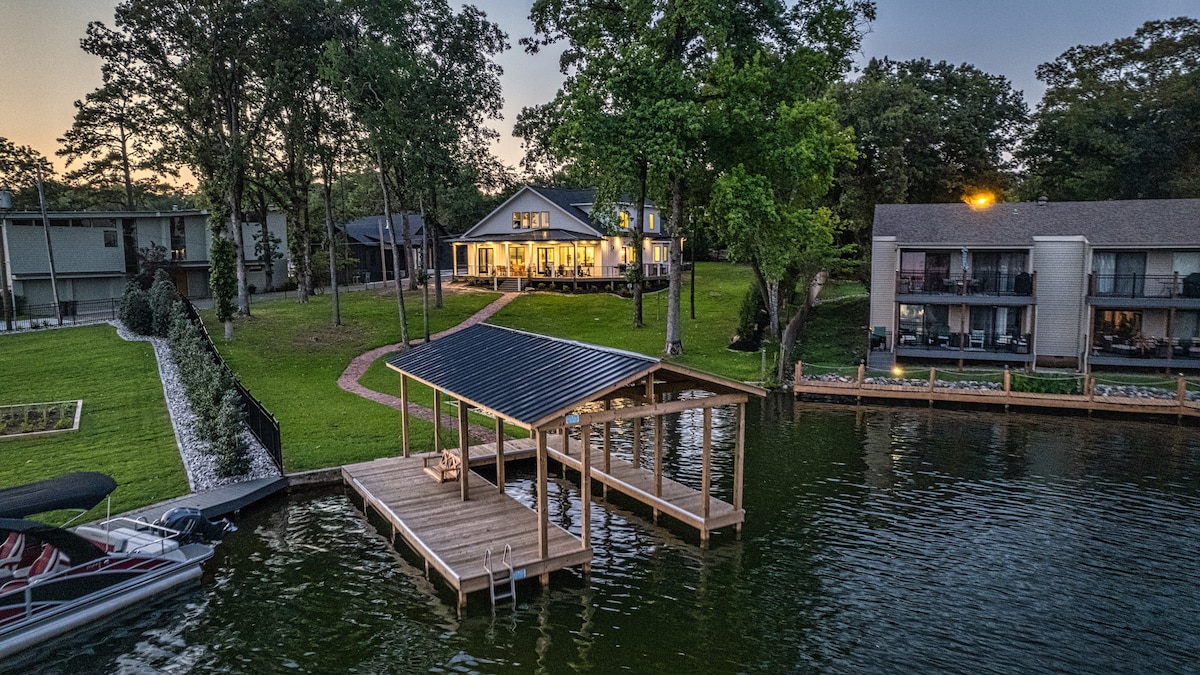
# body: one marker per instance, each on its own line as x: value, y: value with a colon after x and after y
x: 837, y: 331
x: 290, y: 357
x: 607, y: 320
x: 124, y: 431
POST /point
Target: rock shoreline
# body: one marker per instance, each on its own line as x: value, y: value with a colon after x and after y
x: 1102, y: 390
x: 199, y: 464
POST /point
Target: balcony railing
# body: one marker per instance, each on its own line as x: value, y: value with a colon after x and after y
x: 1144, y: 285
x: 1146, y: 347
x: 567, y: 272
x: 975, y: 340
x: 966, y: 283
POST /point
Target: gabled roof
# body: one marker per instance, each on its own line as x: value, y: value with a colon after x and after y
x: 570, y: 200
x: 1135, y: 222
x: 366, y: 230
x: 529, y: 378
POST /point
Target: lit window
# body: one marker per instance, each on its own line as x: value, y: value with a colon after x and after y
x: 525, y: 220
x: 545, y: 219
x: 624, y: 220
x: 535, y: 220
x: 178, y: 239
x: 651, y: 223
x: 658, y: 254
x: 516, y: 219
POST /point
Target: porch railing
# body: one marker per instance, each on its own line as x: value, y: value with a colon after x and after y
x: 1144, y: 285
x: 568, y: 272
x: 972, y: 340
x: 966, y: 283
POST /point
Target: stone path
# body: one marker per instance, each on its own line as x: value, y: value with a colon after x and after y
x: 348, y: 381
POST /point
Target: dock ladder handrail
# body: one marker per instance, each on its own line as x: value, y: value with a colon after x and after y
x: 501, y: 576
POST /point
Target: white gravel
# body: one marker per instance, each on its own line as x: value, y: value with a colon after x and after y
x: 200, y: 465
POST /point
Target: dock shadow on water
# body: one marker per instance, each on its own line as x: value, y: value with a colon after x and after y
x: 876, y: 540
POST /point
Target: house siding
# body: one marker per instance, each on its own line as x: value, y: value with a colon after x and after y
x: 885, y: 258
x: 500, y: 222
x: 1062, y: 273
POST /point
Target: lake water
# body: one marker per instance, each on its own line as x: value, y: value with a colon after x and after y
x: 876, y: 540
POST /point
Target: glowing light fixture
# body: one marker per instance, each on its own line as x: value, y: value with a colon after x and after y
x: 980, y: 200
x: 897, y: 371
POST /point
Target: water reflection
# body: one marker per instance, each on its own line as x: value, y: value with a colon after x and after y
x: 876, y: 540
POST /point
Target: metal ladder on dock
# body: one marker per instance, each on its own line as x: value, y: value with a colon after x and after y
x: 504, y: 575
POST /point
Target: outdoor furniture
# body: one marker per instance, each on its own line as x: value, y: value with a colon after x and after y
x: 976, y: 340
x: 448, y: 466
x: 1003, y: 340
x: 879, y: 337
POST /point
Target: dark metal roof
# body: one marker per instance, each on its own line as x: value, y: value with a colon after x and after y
x: 366, y: 230
x: 1134, y: 222
x: 523, y: 376
x: 550, y: 234
x: 72, y: 491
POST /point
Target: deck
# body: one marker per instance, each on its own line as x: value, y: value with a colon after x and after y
x: 452, y: 535
x: 217, y: 502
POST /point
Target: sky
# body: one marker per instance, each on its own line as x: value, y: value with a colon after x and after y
x: 43, y: 70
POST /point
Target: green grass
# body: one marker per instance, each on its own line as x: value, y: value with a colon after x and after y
x: 290, y: 356
x: 841, y: 288
x: 608, y: 320
x: 836, y: 333
x: 124, y: 430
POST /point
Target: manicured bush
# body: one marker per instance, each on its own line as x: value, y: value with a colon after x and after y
x: 161, y: 298
x: 1046, y: 384
x: 136, y: 313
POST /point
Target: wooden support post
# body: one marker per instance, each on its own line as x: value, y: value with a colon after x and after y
x: 739, y: 461
x: 437, y: 419
x: 658, y: 454
x: 500, y: 454
x: 706, y: 463
x: 799, y: 371
x: 1007, y: 387
x: 566, y: 446
x: 542, y: 499
x: 404, y: 424
x: 862, y: 371
x: 585, y: 485
x: 637, y: 442
x: 1181, y: 390
x: 464, y: 447
x: 932, y: 379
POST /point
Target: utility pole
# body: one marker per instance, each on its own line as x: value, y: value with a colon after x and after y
x: 49, y: 247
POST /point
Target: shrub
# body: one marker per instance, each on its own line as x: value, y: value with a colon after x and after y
x: 1046, y: 384
x: 161, y: 298
x: 229, y: 447
x: 750, y: 322
x: 135, y: 310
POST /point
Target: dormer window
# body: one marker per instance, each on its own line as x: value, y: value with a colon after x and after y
x: 651, y: 222
x: 530, y: 219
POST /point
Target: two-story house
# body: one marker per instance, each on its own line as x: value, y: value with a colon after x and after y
x: 551, y: 236
x: 96, y: 252
x: 1070, y: 284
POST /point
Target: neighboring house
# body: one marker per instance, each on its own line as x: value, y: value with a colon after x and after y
x: 363, y: 242
x: 1069, y: 284
x: 549, y: 235
x: 95, y: 252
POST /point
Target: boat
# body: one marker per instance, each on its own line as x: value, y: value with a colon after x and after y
x: 54, y: 580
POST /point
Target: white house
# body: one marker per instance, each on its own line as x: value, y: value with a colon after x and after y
x: 550, y: 235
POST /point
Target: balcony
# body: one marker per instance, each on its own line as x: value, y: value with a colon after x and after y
x: 1144, y: 290
x: 1143, y: 351
x: 977, y: 288
x: 975, y: 345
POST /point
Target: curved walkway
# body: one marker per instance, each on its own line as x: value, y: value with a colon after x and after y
x: 348, y: 381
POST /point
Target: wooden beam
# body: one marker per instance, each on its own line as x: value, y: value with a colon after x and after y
x: 404, y: 422
x: 637, y: 442
x: 500, y: 454
x: 658, y: 454
x: 651, y: 410
x: 585, y: 485
x: 706, y: 463
x: 739, y: 460
x: 464, y: 449
x: 437, y: 418
x: 542, y: 499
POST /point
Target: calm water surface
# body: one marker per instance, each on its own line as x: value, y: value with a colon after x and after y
x: 877, y: 540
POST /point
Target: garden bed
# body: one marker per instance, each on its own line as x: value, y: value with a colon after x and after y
x: 31, y: 419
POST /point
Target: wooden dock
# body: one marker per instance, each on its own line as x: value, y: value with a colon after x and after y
x: 450, y: 534
x: 217, y: 502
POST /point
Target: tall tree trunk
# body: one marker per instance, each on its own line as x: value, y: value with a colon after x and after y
x: 305, y: 280
x: 268, y: 247
x: 424, y: 266
x: 639, y: 234
x: 326, y: 190
x: 126, y: 173
x: 675, y: 259
x: 387, y: 211
x: 436, y: 250
x: 787, y: 344
x: 239, y: 249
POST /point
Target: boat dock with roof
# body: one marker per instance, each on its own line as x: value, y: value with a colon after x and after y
x: 568, y: 396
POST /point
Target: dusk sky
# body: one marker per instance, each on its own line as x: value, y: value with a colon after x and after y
x: 43, y: 70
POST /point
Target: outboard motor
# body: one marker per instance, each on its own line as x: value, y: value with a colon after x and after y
x: 193, y: 526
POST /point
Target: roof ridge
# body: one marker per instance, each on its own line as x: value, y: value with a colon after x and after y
x: 577, y: 343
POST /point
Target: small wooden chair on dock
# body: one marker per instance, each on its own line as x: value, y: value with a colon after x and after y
x: 448, y: 466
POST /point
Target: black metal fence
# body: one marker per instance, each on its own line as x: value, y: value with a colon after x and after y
x: 262, y: 423
x: 73, y: 312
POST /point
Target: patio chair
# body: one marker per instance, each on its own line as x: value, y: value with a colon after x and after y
x: 976, y: 340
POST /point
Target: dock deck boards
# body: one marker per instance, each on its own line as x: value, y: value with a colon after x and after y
x: 217, y: 502
x: 452, y: 535
x: 675, y: 499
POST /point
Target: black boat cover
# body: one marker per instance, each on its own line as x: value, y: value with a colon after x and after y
x: 78, y: 549
x: 79, y: 491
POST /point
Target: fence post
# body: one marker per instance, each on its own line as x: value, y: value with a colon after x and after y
x: 1007, y: 381
x: 861, y: 372
x: 932, y: 378
x: 799, y: 371
x: 1181, y: 390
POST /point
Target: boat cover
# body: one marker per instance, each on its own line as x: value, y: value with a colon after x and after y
x: 79, y: 491
x: 78, y: 549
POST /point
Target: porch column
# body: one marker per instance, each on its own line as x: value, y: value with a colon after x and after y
x: 404, y: 414
x: 464, y: 448
x: 500, y: 454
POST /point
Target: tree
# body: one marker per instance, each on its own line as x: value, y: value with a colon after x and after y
x: 1120, y: 120
x: 926, y: 133
x: 113, y: 135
